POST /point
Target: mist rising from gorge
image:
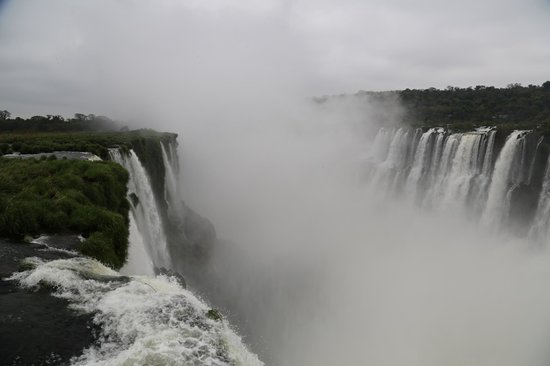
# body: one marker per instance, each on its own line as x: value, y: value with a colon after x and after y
x: 319, y: 269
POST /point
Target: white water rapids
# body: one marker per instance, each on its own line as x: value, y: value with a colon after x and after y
x: 144, y: 320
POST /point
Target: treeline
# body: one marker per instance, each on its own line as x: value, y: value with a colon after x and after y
x: 57, y: 123
x: 514, y: 105
x: 97, y: 143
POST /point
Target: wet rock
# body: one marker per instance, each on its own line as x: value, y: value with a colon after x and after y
x: 171, y: 273
x: 134, y: 199
x: 214, y: 314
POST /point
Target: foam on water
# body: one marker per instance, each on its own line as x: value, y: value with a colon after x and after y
x: 143, y: 320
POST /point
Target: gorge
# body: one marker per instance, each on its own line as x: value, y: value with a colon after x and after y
x: 460, y: 195
x: 278, y: 182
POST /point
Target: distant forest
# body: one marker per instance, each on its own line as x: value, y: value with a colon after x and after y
x: 515, y: 106
x: 56, y: 123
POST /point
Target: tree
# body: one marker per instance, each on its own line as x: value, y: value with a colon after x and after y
x: 56, y: 117
x: 546, y: 85
x: 4, y: 115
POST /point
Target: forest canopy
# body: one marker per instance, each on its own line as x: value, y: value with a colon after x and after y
x: 515, y: 106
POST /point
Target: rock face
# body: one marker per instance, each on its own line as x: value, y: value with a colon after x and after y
x: 174, y: 235
x: 35, y: 327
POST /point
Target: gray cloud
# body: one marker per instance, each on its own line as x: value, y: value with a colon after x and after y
x: 63, y: 56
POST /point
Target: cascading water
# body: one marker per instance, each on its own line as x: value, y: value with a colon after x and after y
x: 139, y: 261
x: 466, y: 166
x: 421, y: 161
x: 441, y: 170
x: 171, y: 190
x: 393, y: 162
x: 454, y: 172
x: 144, y: 320
x: 531, y: 171
x: 447, y: 170
x: 145, y: 212
x: 540, y: 230
x: 506, y: 176
x: 482, y: 181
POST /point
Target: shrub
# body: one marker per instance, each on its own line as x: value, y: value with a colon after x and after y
x: 81, y: 197
x: 100, y: 246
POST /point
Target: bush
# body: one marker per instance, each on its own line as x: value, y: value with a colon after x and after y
x: 70, y: 196
x: 81, y: 197
x: 100, y: 246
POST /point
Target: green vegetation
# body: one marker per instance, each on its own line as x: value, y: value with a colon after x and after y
x: 67, y: 196
x: 81, y: 197
x: 463, y: 109
x: 80, y: 122
x: 95, y: 142
x: 513, y: 107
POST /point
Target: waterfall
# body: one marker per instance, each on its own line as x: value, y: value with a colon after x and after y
x: 421, y: 160
x: 482, y: 181
x: 171, y: 190
x: 540, y: 230
x: 139, y: 261
x: 506, y: 176
x: 394, y: 161
x: 446, y: 170
x: 145, y: 214
x: 488, y: 160
x: 533, y: 160
x: 436, y: 158
x: 454, y: 172
x: 465, y: 167
x: 441, y: 171
x: 381, y: 144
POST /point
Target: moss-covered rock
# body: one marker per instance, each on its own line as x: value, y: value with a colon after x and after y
x: 214, y: 314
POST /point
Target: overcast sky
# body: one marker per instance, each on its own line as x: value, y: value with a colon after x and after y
x: 63, y: 56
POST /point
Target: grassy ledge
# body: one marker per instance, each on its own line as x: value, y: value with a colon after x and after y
x: 74, y: 196
x: 67, y: 196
